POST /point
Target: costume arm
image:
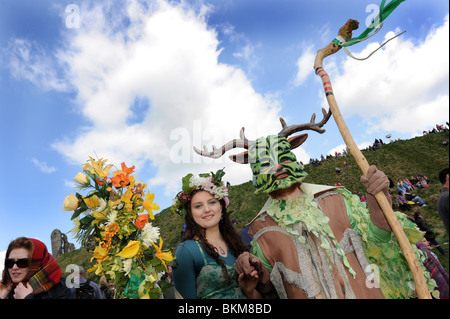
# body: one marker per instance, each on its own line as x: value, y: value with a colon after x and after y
x: 257, y: 251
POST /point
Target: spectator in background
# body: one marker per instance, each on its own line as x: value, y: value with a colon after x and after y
x: 437, y: 272
x: 82, y: 282
x: 414, y: 181
x: 429, y: 234
x: 106, y: 288
x: 423, y: 182
x: 442, y: 203
x: 416, y: 199
x: 400, y: 186
x: 363, y: 198
x: 402, y: 202
x: 409, y: 186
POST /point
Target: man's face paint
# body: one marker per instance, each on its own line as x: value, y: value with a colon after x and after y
x: 273, y: 164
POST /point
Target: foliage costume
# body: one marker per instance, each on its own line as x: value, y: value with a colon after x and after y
x: 327, y: 247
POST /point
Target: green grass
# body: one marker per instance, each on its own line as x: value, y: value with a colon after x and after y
x: 401, y: 159
x: 80, y: 257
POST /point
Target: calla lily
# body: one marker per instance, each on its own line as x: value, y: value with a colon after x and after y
x: 149, y: 206
x: 130, y: 250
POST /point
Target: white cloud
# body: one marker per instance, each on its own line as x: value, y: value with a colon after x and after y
x: 43, y: 166
x: 28, y: 60
x: 69, y: 184
x: 401, y: 88
x: 304, y: 66
x: 167, y: 56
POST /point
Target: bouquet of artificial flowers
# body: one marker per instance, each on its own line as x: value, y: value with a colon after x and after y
x: 114, y: 214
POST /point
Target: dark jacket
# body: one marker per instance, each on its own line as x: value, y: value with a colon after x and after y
x: 429, y: 234
x: 59, y: 291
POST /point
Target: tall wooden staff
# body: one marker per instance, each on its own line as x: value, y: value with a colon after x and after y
x: 346, y: 33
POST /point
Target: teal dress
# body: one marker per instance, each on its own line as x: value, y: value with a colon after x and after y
x: 197, y: 275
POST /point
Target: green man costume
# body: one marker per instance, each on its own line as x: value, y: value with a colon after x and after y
x: 319, y: 241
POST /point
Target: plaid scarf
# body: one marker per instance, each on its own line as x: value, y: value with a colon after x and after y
x: 44, y: 271
x: 437, y: 272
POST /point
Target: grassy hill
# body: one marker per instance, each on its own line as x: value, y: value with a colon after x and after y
x: 401, y: 159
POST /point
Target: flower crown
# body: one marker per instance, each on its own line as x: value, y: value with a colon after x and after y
x: 211, y: 183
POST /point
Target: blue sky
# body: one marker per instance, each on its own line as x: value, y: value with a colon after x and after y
x: 141, y: 82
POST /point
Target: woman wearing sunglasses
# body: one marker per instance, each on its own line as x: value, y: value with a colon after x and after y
x: 31, y: 272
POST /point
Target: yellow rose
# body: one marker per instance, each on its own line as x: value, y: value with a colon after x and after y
x: 80, y: 178
x: 70, y: 203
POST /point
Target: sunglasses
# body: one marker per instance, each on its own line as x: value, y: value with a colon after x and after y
x: 21, y: 263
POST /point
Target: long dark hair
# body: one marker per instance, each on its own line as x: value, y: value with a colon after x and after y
x: 229, y: 234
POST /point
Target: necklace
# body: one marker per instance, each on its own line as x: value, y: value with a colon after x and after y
x: 221, y: 251
x: 218, y: 247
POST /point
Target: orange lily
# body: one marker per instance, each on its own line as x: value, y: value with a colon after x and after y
x: 126, y: 169
x: 100, y: 253
x: 161, y: 255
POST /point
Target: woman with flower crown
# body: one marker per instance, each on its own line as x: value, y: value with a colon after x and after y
x: 205, y: 259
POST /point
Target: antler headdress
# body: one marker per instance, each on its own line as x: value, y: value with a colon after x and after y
x: 286, y: 131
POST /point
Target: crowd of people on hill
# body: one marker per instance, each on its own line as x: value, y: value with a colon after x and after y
x: 378, y: 143
x: 405, y: 187
x: 438, y: 128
